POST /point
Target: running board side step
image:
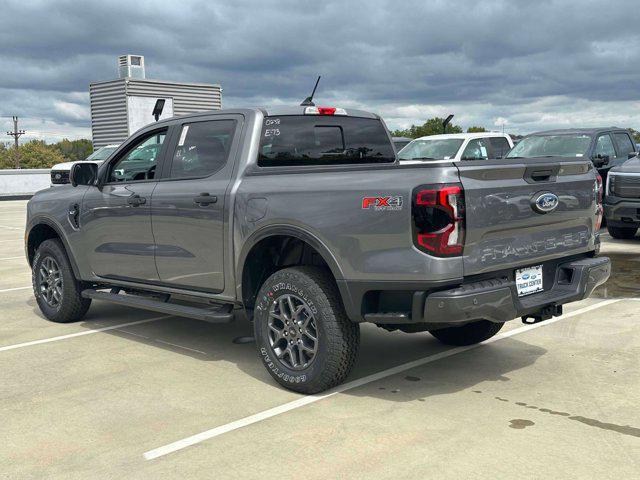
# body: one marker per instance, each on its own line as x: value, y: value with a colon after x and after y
x: 223, y: 314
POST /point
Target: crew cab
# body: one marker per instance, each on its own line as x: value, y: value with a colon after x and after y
x: 607, y: 147
x: 456, y: 146
x: 622, y: 200
x: 302, y: 218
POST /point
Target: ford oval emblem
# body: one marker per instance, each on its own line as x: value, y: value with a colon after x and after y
x: 545, y: 202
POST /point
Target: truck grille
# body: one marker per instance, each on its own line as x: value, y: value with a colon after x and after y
x: 625, y: 186
x: 59, y: 177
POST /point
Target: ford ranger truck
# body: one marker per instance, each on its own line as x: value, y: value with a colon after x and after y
x: 302, y: 219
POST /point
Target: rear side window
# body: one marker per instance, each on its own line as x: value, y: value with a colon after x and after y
x: 323, y: 140
x: 625, y: 145
x: 476, y: 149
x: 203, y: 148
x: 500, y: 146
x: 604, y: 146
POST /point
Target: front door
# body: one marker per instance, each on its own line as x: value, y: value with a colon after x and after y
x: 189, y: 203
x: 116, y: 218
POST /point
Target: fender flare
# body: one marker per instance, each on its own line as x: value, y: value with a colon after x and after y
x: 42, y: 220
x: 285, y: 230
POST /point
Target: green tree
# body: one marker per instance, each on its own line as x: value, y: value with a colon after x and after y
x: 74, y: 150
x: 635, y: 134
x: 433, y: 126
x: 476, y: 130
x: 33, y: 154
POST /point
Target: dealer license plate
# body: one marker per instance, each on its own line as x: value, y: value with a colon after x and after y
x: 529, y: 280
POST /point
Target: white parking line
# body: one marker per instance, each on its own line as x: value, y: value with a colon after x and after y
x: 12, y: 258
x: 11, y: 228
x: 15, y: 289
x: 301, y: 402
x: 78, y: 334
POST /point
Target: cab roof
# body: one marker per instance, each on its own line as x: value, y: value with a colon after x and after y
x: 579, y: 131
x: 463, y: 136
x: 278, y: 110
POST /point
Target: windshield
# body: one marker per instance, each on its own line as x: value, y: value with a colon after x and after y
x: 101, y: 153
x: 551, y: 146
x: 431, y: 149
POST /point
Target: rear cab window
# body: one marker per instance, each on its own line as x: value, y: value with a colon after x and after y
x: 305, y: 140
x: 500, y: 146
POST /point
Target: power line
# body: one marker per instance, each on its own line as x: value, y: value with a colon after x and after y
x: 16, y: 134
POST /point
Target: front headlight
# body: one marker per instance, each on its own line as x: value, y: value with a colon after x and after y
x: 610, y: 184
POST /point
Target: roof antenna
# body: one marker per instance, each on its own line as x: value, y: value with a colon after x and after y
x: 308, y: 102
x: 446, y: 122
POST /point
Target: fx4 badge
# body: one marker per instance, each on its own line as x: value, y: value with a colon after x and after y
x: 382, y: 203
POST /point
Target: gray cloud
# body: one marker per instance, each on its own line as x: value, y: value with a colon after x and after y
x: 529, y: 63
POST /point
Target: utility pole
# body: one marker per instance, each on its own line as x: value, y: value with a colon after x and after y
x: 16, y: 134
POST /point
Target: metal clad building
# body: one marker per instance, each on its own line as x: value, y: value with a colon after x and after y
x: 120, y: 107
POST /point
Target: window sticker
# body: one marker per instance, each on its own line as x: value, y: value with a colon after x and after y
x: 183, y: 135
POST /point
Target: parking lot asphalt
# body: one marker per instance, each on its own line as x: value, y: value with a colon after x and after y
x: 132, y: 394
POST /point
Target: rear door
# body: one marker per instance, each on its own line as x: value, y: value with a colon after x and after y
x: 505, y: 227
x: 189, y: 203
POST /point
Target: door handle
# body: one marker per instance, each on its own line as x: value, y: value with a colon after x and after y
x: 136, y: 200
x: 205, y: 199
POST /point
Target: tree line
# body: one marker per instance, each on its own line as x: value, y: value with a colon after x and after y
x: 39, y: 154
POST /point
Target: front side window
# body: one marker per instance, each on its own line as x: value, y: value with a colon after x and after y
x: 203, y: 148
x: 431, y: 149
x: 604, y: 146
x: 625, y: 145
x: 566, y: 145
x: 476, y: 149
x: 140, y: 161
x: 303, y: 140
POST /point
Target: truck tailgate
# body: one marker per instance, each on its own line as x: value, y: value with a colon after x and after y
x: 505, y: 228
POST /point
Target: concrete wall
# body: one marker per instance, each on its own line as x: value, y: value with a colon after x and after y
x: 23, y: 182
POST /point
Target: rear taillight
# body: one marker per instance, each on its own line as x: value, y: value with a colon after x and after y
x: 599, y: 188
x: 599, y: 195
x: 438, y: 219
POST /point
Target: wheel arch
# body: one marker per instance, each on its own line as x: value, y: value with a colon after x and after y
x: 259, y: 243
x: 42, y: 229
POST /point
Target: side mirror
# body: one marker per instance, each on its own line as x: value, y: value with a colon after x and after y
x: 599, y: 160
x: 83, y: 173
x: 632, y: 154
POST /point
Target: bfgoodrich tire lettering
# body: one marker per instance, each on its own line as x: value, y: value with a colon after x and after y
x: 67, y: 305
x: 337, y: 337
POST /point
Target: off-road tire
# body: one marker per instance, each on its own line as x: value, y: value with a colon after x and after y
x: 338, y: 337
x: 468, y: 334
x: 72, y: 307
x: 623, y: 233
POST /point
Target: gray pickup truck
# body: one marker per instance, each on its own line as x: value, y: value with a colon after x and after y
x: 302, y: 218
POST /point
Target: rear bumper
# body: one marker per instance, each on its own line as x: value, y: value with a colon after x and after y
x: 496, y: 299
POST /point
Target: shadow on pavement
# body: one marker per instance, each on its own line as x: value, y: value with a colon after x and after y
x: 379, y: 351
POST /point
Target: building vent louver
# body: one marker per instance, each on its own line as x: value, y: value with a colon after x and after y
x: 131, y: 66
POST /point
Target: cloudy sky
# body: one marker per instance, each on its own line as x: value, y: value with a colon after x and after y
x: 527, y: 64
